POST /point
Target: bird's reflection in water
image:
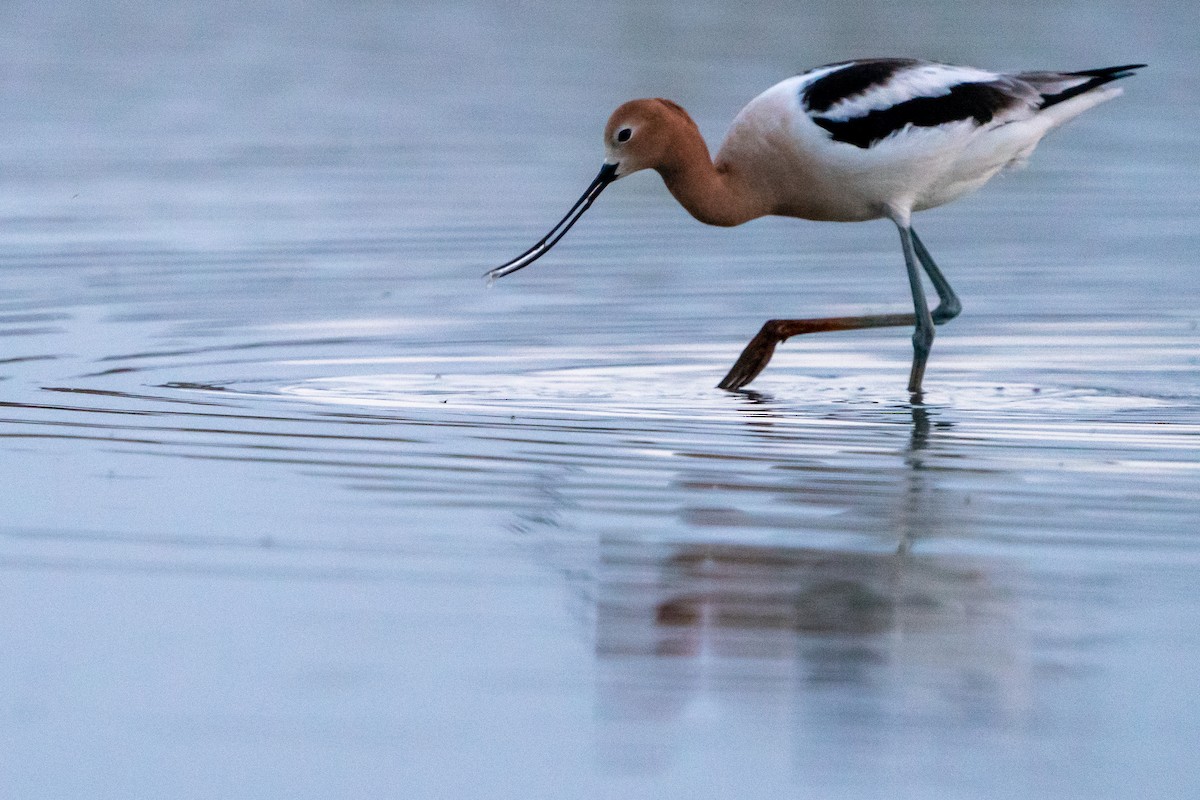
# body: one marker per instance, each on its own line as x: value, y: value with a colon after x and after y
x: 745, y: 601
x: 884, y: 630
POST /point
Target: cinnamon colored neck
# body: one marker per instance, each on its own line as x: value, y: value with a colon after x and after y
x: 714, y: 195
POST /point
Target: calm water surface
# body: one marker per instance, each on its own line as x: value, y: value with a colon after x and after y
x: 295, y: 507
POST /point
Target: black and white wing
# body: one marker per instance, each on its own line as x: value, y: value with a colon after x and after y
x: 863, y: 103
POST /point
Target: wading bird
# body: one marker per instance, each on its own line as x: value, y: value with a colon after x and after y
x: 847, y: 142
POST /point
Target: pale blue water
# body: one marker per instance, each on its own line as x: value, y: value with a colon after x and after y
x: 295, y: 507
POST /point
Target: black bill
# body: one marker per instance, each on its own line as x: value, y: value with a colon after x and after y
x: 608, y: 174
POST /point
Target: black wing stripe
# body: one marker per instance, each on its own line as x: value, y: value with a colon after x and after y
x: 966, y: 101
x: 1098, y: 77
x: 851, y: 80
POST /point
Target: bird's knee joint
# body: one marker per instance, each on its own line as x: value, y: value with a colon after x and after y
x: 774, y: 329
x: 946, y: 311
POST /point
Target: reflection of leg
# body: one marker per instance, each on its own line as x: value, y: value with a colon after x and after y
x: 758, y: 352
x: 912, y: 521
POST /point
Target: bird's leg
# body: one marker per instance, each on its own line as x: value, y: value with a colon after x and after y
x: 948, y: 305
x: 923, y: 335
x: 758, y: 352
x: 756, y: 355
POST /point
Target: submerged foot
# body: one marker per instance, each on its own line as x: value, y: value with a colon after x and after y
x: 753, y: 360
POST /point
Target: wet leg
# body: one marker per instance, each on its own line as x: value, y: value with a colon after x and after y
x: 758, y: 352
x: 948, y: 305
x: 923, y: 335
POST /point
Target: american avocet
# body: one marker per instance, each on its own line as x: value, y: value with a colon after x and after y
x: 846, y: 142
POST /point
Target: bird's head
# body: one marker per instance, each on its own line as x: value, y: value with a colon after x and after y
x: 639, y: 134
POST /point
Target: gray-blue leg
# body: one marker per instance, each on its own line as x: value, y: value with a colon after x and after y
x: 948, y: 306
x: 758, y: 352
x: 923, y: 335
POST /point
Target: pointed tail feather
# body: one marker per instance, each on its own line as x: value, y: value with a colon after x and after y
x: 1112, y: 73
x: 1055, y: 87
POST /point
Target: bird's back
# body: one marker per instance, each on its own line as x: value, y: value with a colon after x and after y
x: 863, y: 139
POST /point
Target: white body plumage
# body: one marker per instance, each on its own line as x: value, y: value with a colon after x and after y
x: 811, y: 173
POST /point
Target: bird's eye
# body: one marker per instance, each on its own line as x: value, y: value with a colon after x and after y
x: 624, y: 134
